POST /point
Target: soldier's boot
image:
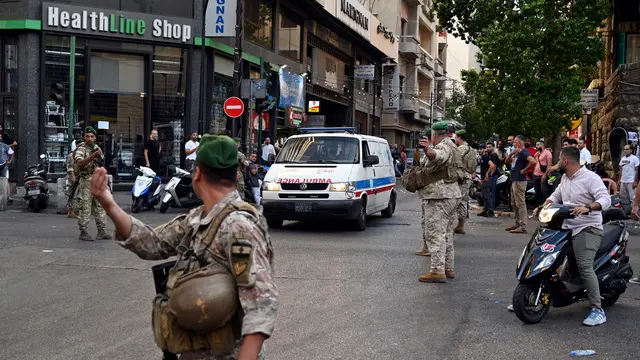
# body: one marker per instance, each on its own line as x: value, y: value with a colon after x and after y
x: 72, y: 214
x: 102, y: 235
x: 432, y: 278
x: 84, y: 236
x: 423, y: 252
x: 460, y: 228
x: 450, y: 274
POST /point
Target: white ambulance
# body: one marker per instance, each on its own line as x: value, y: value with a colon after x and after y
x: 330, y: 174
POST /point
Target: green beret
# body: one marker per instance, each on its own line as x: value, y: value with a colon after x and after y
x: 440, y: 125
x: 461, y: 132
x: 427, y: 132
x: 90, y: 129
x: 237, y: 140
x: 217, y: 152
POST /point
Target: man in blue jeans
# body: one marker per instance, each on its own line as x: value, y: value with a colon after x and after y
x: 489, y: 172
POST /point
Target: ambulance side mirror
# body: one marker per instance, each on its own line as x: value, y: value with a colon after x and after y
x: 371, y: 160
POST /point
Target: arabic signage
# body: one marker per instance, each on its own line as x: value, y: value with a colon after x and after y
x: 314, y: 106
x: 589, y: 98
x: 294, y: 115
x: 390, y: 88
x: 388, y: 34
x: 115, y: 23
x: 365, y: 72
x: 355, y: 15
x: 315, y: 121
x: 220, y: 18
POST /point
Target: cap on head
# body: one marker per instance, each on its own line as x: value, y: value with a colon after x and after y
x: 462, y: 133
x: 440, y: 126
x: 427, y: 132
x: 235, y: 139
x: 217, y: 152
x: 90, y: 129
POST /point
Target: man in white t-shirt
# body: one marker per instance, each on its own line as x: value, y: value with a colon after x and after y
x: 190, y: 149
x: 628, y: 175
x: 267, y: 149
x: 585, y: 154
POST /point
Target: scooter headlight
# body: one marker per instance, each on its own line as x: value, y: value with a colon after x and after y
x: 547, y: 214
x: 547, y: 261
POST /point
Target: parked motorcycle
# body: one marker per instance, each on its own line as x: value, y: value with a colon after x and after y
x: 35, y: 185
x: 146, y: 190
x: 547, y: 277
x: 178, y: 192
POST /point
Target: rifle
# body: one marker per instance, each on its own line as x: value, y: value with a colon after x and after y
x: 160, y: 276
x: 72, y: 194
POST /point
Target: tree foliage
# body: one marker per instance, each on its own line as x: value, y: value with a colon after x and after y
x: 538, y: 55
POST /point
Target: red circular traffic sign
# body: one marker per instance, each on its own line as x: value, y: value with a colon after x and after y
x: 233, y: 107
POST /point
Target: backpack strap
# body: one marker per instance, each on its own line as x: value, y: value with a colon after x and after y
x: 217, y: 221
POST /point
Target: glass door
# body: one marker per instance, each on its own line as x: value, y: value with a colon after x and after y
x: 117, y: 109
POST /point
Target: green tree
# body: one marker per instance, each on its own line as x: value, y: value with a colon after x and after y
x: 461, y: 107
x: 538, y: 55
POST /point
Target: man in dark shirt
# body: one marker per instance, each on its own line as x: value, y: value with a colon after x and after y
x: 489, y: 171
x: 152, y: 150
x: 6, y: 139
x: 521, y: 162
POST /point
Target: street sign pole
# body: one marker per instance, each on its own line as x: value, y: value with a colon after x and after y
x: 72, y: 89
x: 259, y: 150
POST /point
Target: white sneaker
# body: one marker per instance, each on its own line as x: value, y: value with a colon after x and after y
x: 635, y: 280
x: 510, y: 308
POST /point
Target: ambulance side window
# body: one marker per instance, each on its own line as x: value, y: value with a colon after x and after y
x: 365, y: 150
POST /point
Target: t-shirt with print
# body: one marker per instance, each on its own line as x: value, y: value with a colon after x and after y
x: 519, y: 163
x: 628, y: 164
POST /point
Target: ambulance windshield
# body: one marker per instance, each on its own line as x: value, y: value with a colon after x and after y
x: 320, y: 150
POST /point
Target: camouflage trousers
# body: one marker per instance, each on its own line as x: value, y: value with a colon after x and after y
x: 87, y: 206
x: 463, y: 208
x: 241, y: 190
x: 439, y: 219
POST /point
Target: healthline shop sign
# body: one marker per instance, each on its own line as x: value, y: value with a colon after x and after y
x: 114, y: 23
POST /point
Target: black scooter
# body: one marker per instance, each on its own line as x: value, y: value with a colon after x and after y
x: 35, y: 184
x: 548, y: 276
x: 178, y: 192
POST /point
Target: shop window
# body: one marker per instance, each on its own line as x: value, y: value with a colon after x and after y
x: 290, y: 35
x: 258, y: 22
x: 55, y: 117
x: 222, y: 89
x: 633, y: 48
x: 168, y: 103
x: 9, y: 64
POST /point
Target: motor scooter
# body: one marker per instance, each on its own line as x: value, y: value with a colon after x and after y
x: 178, y: 192
x: 35, y: 184
x: 146, y: 190
x: 547, y: 273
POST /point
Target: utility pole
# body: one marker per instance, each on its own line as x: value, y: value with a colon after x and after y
x: 203, y: 54
x: 237, y: 59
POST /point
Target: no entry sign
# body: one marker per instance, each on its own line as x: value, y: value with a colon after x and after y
x: 233, y: 107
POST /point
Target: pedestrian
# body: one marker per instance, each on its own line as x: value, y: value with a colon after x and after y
x: 521, y: 161
x: 510, y: 146
x: 72, y: 184
x: 6, y: 139
x: 403, y: 159
x: 468, y: 166
x: 489, y: 165
x: 6, y: 156
x: 88, y: 157
x: 226, y: 243
x: 543, y: 159
x: 152, y: 149
x: 190, y: 151
x: 267, y: 149
x: 424, y: 217
x: 628, y: 175
x: 416, y: 156
x: 501, y: 152
x: 439, y: 200
x: 585, y: 154
x: 253, y: 182
x: 242, y: 165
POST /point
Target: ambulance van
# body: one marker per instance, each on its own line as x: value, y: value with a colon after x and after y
x: 330, y: 174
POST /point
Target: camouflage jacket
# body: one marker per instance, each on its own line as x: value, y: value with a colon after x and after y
x: 469, y: 161
x: 82, y: 152
x: 440, y: 189
x: 260, y: 301
x: 242, y: 165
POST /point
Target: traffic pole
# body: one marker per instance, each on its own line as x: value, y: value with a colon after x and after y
x: 259, y: 149
x: 72, y: 89
x: 237, y: 59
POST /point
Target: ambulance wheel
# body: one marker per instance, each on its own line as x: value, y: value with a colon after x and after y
x: 391, y: 207
x: 360, y: 223
x: 274, y: 223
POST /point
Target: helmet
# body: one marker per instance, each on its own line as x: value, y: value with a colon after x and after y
x: 205, y: 300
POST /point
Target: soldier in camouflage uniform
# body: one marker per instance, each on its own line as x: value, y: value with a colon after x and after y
x: 88, y: 157
x: 469, y: 162
x: 424, y: 220
x: 242, y: 165
x: 72, y: 210
x: 214, y: 181
x: 439, y: 201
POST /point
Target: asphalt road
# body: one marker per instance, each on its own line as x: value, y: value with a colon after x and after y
x: 344, y: 295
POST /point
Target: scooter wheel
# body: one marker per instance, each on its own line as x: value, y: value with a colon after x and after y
x: 524, y: 298
x: 136, y: 206
x: 164, y: 207
x: 610, y: 300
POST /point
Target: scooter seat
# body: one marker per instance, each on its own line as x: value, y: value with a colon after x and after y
x: 612, y: 233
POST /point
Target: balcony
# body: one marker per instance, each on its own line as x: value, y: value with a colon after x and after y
x: 427, y: 19
x: 424, y: 109
x: 439, y: 68
x: 409, y: 47
x: 426, y: 63
x: 414, y: 2
x: 408, y: 104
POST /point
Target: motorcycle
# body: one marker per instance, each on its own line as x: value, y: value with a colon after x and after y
x: 547, y: 275
x: 36, y: 187
x: 146, y: 190
x: 178, y: 192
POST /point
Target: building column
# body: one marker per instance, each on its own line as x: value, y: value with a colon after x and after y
x: 29, y: 101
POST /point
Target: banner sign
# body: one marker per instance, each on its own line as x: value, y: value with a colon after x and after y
x: 365, y: 72
x: 390, y: 88
x: 220, y: 18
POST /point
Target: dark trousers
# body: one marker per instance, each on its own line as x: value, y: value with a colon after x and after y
x: 541, y: 190
x: 489, y: 192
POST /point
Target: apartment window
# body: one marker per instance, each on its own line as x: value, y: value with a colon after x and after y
x: 258, y: 22
x: 290, y: 35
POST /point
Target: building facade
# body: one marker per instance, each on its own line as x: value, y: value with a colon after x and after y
x: 462, y: 56
x: 127, y: 68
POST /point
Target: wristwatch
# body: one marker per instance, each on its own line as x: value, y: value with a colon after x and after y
x: 588, y: 207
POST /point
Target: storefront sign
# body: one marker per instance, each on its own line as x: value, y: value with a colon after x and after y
x: 390, y: 88
x: 314, y: 106
x: 365, y: 72
x: 220, y: 18
x: 294, y: 116
x: 355, y: 15
x: 315, y: 121
x: 387, y: 33
x: 115, y: 23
